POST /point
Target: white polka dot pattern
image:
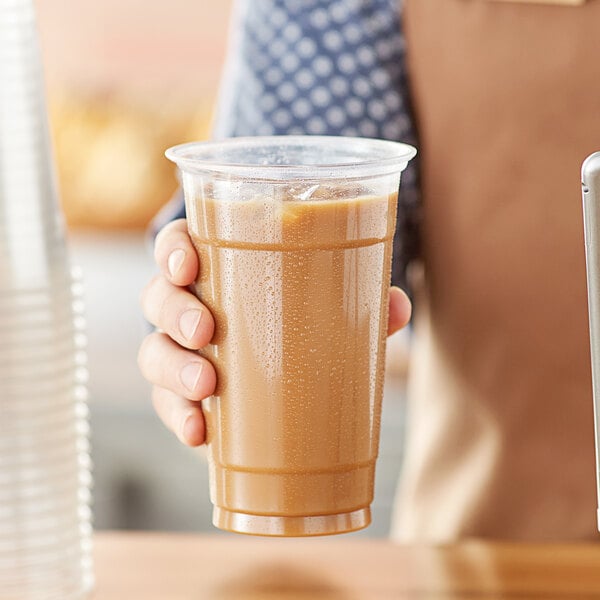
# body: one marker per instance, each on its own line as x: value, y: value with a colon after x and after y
x: 334, y: 67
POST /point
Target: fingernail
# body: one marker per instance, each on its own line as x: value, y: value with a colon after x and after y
x: 190, y: 374
x: 186, y: 427
x: 175, y: 261
x: 188, y: 322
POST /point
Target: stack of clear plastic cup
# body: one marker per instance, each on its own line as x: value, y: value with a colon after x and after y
x: 45, y: 481
x: 45, y: 520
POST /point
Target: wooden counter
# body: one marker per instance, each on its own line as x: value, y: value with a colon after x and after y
x: 145, y: 566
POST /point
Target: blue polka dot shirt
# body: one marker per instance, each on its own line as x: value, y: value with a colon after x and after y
x: 328, y: 67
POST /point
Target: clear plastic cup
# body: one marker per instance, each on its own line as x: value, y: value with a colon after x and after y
x: 33, y: 508
x: 37, y: 430
x: 44, y: 477
x: 16, y: 314
x: 34, y: 449
x: 39, y: 316
x: 44, y: 352
x: 43, y: 386
x: 63, y: 284
x: 24, y: 441
x: 16, y: 484
x: 294, y: 235
x: 60, y: 395
x: 16, y: 567
x: 41, y: 370
x: 63, y: 337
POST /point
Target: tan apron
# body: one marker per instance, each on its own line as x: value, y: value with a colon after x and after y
x: 500, y: 431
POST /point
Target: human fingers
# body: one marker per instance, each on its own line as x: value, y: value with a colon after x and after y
x: 167, y: 365
x: 178, y: 313
x: 182, y: 416
x: 400, y: 310
x: 175, y: 254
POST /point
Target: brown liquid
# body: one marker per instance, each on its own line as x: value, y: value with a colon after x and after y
x: 299, y: 293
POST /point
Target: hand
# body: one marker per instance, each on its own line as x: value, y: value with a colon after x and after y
x: 180, y: 377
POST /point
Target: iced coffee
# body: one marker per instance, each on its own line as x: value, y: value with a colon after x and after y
x: 296, y: 274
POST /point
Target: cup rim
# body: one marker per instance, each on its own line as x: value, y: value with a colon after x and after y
x: 32, y: 458
x: 380, y: 157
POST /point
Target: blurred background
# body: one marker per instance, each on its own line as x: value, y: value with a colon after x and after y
x: 125, y: 81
